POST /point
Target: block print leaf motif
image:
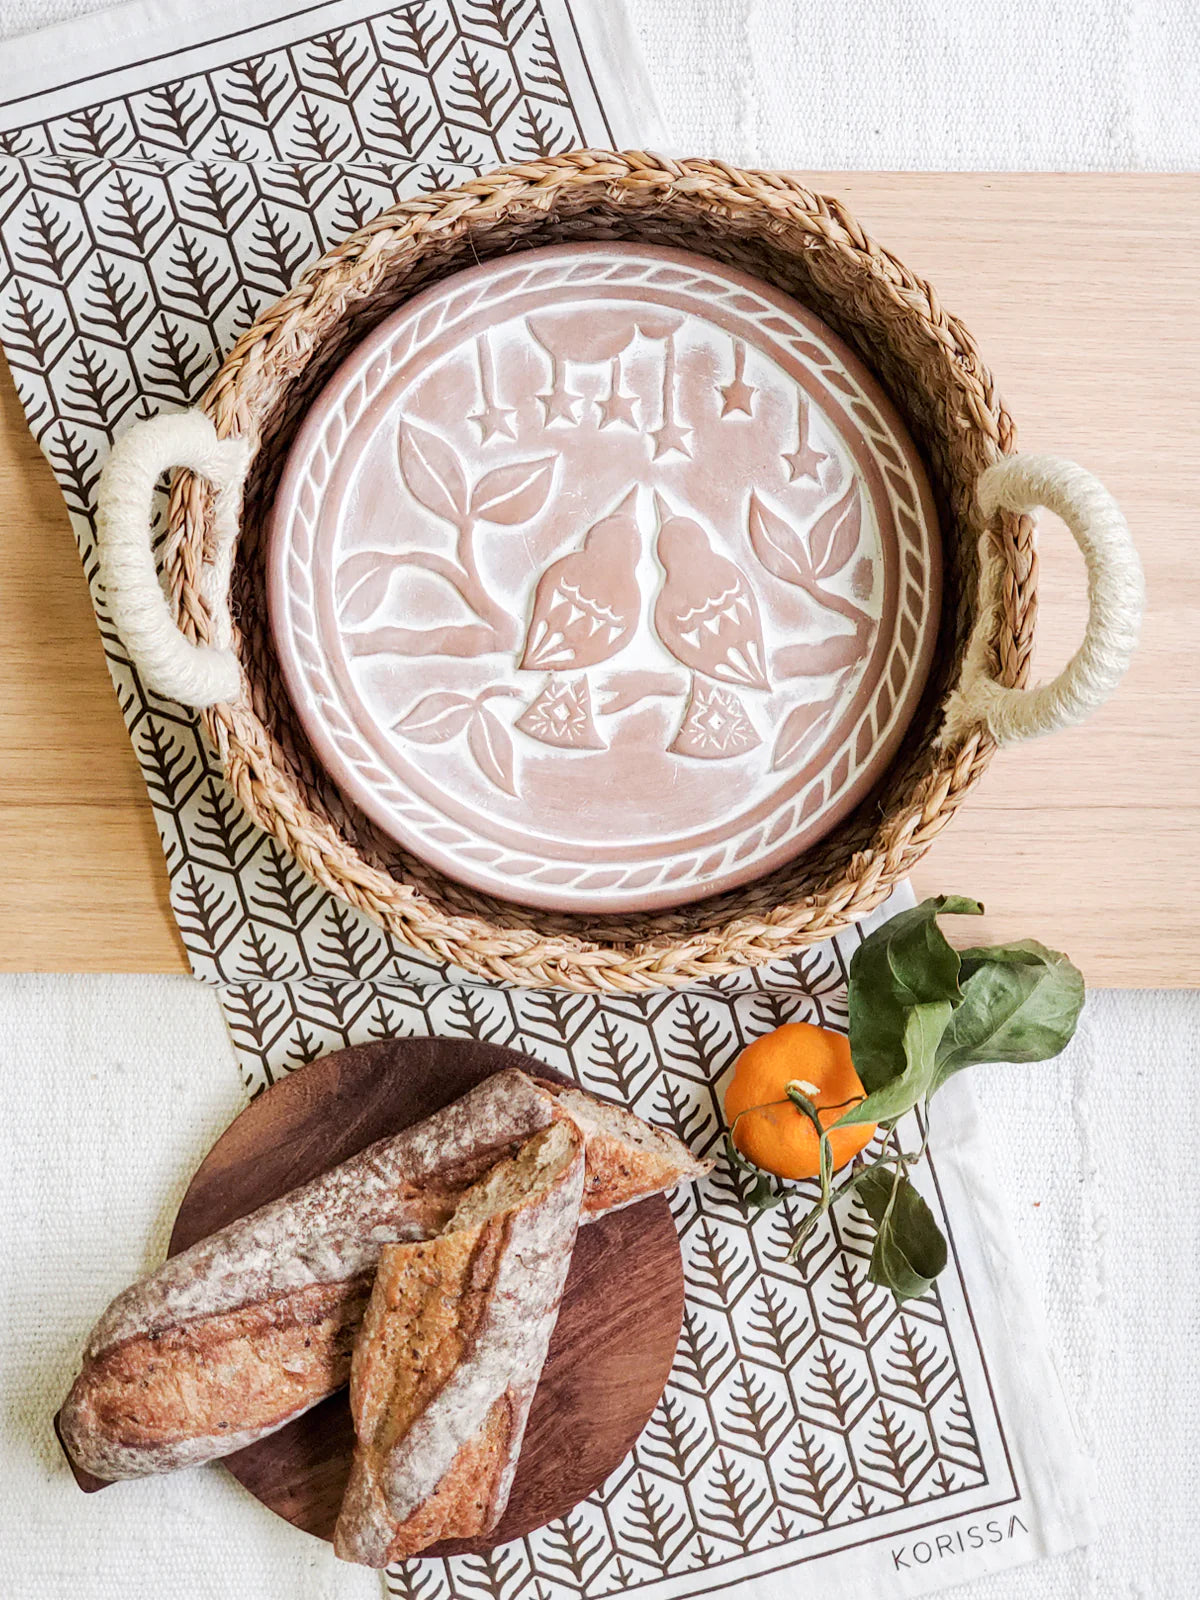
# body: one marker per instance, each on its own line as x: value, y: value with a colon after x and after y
x: 959, y: 1438
x: 733, y: 1498
x: 417, y: 1580
x: 400, y: 118
x: 415, y: 33
x: 834, y: 1385
x: 573, y: 1545
x: 813, y: 1473
x: 914, y: 1362
x: 538, y: 135
x: 775, y: 1324
x: 543, y: 69
x: 490, y: 742
x: 433, y: 472
x: 436, y: 718
x: 754, y: 1411
x: 672, y: 1437
x: 513, y: 494
x: 500, y: 1574
x: 478, y: 91
x: 894, y: 1449
x: 652, y: 1521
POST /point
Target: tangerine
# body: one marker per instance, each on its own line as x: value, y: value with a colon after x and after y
x: 772, y: 1131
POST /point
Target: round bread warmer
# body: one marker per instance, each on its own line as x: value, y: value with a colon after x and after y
x: 210, y: 646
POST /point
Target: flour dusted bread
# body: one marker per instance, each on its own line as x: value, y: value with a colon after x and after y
x: 253, y: 1325
x: 627, y: 1159
x: 232, y: 1338
x: 450, y: 1355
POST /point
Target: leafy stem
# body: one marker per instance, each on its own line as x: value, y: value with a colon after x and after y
x: 921, y: 1011
x: 463, y: 578
x: 475, y: 591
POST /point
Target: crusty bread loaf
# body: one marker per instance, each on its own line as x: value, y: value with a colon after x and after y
x: 232, y: 1338
x: 450, y: 1355
x: 250, y: 1327
x: 627, y: 1159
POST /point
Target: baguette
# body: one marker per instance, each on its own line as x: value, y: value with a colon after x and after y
x: 234, y: 1337
x: 627, y: 1159
x: 450, y: 1354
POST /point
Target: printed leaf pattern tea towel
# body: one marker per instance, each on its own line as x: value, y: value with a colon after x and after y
x: 163, y: 177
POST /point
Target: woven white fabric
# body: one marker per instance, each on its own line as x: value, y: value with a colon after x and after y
x: 92, y: 1172
x: 1034, y: 84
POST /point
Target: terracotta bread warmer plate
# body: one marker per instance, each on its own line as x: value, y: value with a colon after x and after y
x: 427, y: 764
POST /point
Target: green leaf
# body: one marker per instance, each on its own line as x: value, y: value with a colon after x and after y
x: 910, y: 1248
x: 921, y: 1033
x: 1021, y: 1002
x: 907, y: 962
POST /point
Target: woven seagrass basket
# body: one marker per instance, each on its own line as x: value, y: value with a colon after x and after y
x: 806, y: 245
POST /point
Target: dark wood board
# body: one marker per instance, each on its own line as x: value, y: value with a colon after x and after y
x: 615, y: 1338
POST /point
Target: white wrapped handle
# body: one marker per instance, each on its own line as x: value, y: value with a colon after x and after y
x: 169, y: 664
x: 1116, y: 600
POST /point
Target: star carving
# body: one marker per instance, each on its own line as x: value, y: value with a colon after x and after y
x: 738, y: 395
x: 805, y: 460
x: 494, y: 422
x: 618, y: 410
x: 671, y: 436
x: 560, y: 405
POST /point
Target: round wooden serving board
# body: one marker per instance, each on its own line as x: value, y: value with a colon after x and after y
x: 615, y: 1338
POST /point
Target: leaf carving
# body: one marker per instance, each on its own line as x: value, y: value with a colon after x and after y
x: 799, y: 731
x: 433, y: 472
x: 778, y: 546
x: 835, y: 533
x: 360, y: 597
x: 513, y: 494
x: 436, y: 718
x: 489, y: 742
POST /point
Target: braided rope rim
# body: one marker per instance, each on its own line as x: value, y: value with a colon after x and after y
x: 769, y: 224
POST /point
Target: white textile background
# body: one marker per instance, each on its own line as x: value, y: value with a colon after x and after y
x: 1103, y: 1192
x: 925, y: 84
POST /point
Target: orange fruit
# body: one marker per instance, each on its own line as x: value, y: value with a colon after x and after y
x: 774, y: 1133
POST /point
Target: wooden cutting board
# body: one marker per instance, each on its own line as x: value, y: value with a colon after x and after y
x: 612, y: 1346
x: 1081, y: 291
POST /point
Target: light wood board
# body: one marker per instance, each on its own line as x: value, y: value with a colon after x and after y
x: 1082, y: 292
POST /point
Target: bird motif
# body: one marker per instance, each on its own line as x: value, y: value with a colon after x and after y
x: 586, y: 604
x: 706, y: 613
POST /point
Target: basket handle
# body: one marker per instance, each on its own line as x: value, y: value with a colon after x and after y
x: 170, y: 664
x: 1116, y: 600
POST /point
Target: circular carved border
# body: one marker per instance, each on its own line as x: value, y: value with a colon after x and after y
x: 849, y: 769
